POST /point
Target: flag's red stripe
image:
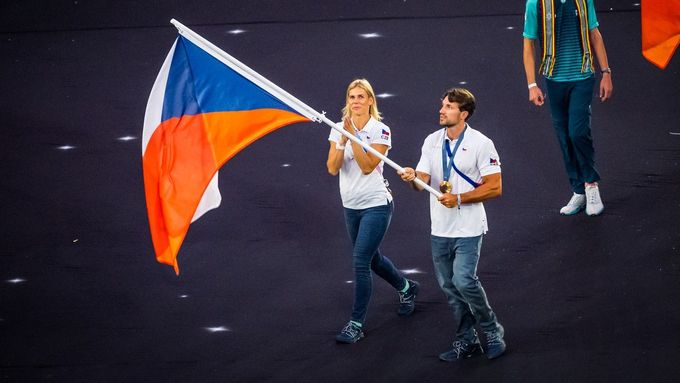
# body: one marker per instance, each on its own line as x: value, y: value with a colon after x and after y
x: 181, y: 158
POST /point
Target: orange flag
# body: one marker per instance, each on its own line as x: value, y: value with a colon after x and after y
x: 660, y: 21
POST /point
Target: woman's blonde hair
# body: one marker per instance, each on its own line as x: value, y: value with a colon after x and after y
x: 365, y: 85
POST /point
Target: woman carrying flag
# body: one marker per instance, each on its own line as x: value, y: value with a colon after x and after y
x: 367, y: 203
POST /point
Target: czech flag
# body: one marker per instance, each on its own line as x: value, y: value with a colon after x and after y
x: 205, y: 107
x: 660, y: 21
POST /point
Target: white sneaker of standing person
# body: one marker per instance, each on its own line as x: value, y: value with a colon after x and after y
x: 594, y: 205
x: 575, y: 204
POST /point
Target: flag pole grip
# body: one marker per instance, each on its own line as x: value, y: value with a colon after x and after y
x: 384, y: 158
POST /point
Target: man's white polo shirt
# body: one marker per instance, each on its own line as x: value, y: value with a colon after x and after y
x: 359, y: 191
x: 476, y: 157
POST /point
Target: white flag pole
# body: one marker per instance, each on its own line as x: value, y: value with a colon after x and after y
x: 282, y: 95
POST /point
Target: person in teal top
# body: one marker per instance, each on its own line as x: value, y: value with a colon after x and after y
x: 569, y: 36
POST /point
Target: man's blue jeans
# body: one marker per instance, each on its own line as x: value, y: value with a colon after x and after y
x: 570, y: 107
x: 366, y: 228
x: 455, y: 264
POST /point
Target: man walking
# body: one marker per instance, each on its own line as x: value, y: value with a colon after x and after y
x: 466, y: 167
x: 568, y: 31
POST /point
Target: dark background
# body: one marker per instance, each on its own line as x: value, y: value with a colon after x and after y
x: 583, y: 299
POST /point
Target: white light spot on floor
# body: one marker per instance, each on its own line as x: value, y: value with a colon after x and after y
x: 462, y: 82
x: 384, y: 95
x: 217, y: 329
x: 127, y: 138
x: 285, y: 165
x: 636, y: 4
x: 675, y: 133
x: 16, y: 280
x: 370, y: 35
x: 75, y: 240
x: 66, y: 147
x: 509, y: 28
x: 349, y: 282
x: 236, y: 31
x: 183, y: 296
x: 412, y: 271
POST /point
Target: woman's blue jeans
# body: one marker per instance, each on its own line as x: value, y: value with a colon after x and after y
x: 455, y: 264
x: 366, y: 229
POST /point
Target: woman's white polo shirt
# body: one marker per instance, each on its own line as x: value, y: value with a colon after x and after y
x: 359, y: 191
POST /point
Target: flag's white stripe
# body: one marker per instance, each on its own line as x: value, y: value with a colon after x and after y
x: 211, y: 198
x: 154, y: 107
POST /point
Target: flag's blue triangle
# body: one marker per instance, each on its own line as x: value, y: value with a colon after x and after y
x: 199, y: 83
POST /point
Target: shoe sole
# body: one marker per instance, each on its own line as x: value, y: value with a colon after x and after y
x: 574, y: 212
x: 476, y: 352
x: 457, y: 360
x: 345, y: 341
x: 594, y: 214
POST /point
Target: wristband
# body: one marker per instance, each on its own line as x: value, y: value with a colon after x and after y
x: 339, y: 147
x: 606, y: 70
x: 532, y: 85
x: 458, y: 196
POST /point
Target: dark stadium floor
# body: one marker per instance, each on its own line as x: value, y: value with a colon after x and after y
x: 263, y: 286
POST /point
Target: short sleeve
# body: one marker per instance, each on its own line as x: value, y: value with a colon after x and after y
x: 592, y: 17
x: 488, y: 160
x: 381, y: 135
x: 531, y: 20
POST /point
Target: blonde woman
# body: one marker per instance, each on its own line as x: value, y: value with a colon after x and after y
x: 367, y: 203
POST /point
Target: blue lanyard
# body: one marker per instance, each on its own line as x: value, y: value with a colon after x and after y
x: 448, y: 156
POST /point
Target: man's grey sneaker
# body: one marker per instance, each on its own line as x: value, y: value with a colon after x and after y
x: 461, y: 350
x: 351, y: 333
x: 575, y: 204
x: 594, y: 205
x: 495, y: 345
x: 407, y: 300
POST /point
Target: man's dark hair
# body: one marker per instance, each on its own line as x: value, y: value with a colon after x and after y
x: 465, y: 100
